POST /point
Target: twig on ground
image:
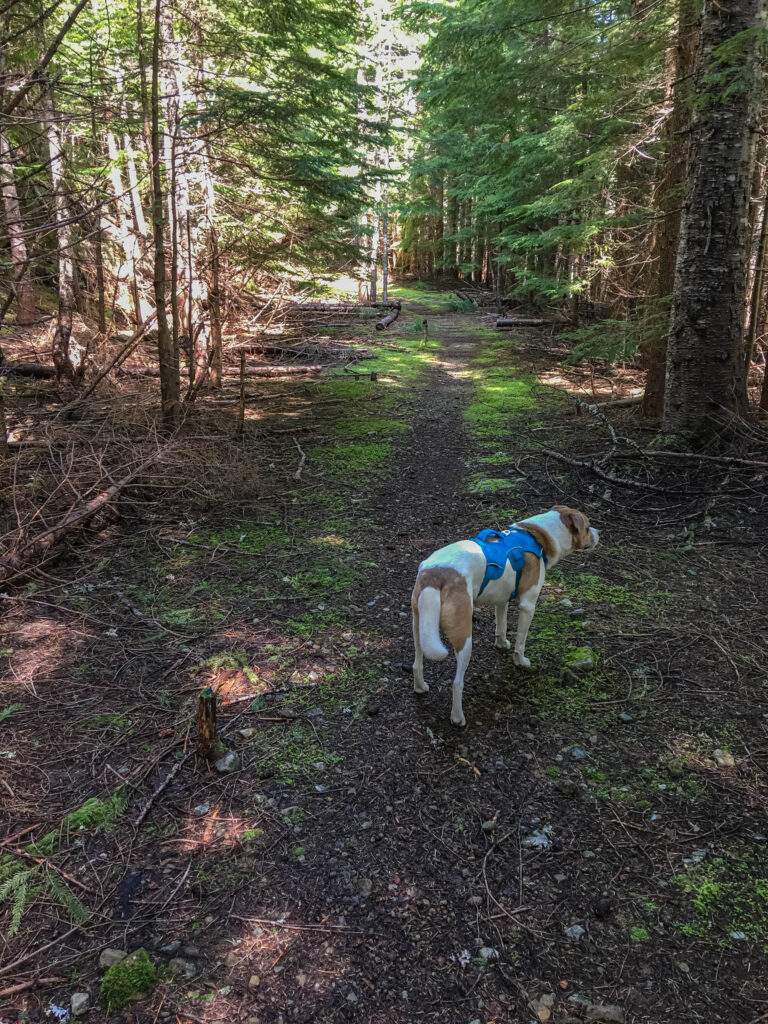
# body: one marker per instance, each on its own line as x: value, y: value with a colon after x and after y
x: 302, y: 453
x: 23, y: 986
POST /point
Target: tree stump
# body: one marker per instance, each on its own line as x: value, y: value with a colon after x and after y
x: 207, y: 736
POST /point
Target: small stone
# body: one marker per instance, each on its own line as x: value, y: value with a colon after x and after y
x: 724, y: 759
x: 577, y: 613
x: 489, y: 826
x: 201, y: 810
x: 625, y: 717
x: 578, y: 754
x: 254, y: 981
x: 566, y: 603
x: 739, y: 936
x: 602, y: 907
x: 183, y: 967
x: 171, y: 948
x: 246, y: 733
x: 352, y: 997
x: 548, y: 999
x: 364, y: 886
x: 366, y: 825
x: 589, y: 855
x: 574, y: 932
x: 582, y: 666
x: 475, y: 901
x: 604, y: 1014
x: 301, y: 980
x: 228, y: 763
x: 566, y: 786
x: 538, y: 840
x: 489, y: 953
x: 560, y: 878
x: 543, y: 1013
x: 110, y: 957
x: 80, y: 1004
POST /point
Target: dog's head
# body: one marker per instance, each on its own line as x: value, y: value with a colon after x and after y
x: 576, y: 523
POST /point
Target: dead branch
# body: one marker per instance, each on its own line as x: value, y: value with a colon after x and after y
x: 303, y: 454
x: 24, y: 986
x: 27, y: 555
x: 387, y: 320
x: 520, y: 321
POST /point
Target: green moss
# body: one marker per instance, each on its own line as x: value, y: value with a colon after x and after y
x: 632, y: 596
x: 314, y: 623
x: 351, y: 461
x: 489, y: 485
x: 359, y: 426
x: 728, y: 895
x: 94, y: 813
x: 577, y: 654
x: 638, y: 935
x: 130, y: 978
x: 253, y: 537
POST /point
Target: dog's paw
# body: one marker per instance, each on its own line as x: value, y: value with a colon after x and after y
x: 419, y: 686
x: 459, y: 720
x: 521, y: 661
x: 502, y: 644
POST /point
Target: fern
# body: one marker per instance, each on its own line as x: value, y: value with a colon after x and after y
x: 16, y: 888
x: 10, y: 710
x: 64, y: 895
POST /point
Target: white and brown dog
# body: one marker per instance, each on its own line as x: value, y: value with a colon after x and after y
x: 491, y: 569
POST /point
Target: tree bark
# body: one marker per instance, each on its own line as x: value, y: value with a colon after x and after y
x: 62, y: 359
x: 168, y: 353
x: 677, y: 147
x: 25, y: 297
x: 705, y: 379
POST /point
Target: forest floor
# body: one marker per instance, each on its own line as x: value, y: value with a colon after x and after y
x: 345, y: 869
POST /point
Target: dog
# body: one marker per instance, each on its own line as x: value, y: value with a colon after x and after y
x: 493, y: 568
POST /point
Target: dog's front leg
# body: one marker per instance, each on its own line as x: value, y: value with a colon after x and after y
x: 462, y: 660
x: 526, y: 608
x: 501, y: 626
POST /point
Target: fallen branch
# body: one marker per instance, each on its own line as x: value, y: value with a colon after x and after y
x: 611, y: 477
x: 24, y: 557
x: 620, y: 403
x: 303, y: 454
x: 24, y: 986
x: 36, y: 370
x: 274, y: 371
x: 521, y: 321
x: 387, y: 320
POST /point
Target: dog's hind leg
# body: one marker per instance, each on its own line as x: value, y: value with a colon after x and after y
x: 501, y: 626
x: 462, y: 660
x: 526, y: 609
x: 418, y: 657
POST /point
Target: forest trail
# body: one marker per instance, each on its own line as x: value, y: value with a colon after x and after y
x: 365, y: 860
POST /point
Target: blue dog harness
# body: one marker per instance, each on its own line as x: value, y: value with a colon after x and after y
x: 502, y: 546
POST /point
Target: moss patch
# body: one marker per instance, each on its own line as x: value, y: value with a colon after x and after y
x: 726, y: 899
x: 130, y: 978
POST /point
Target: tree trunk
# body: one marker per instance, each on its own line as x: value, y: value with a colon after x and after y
x: 168, y: 353
x: 756, y: 301
x: 705, y: 379
x: 62, y: 359
x: 22, y: 283
x: 385, y: 246
x: 677, y: 147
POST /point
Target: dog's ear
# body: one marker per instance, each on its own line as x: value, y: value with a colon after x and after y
x: 575, y: 522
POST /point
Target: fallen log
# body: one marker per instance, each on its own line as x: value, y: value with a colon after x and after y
x: 275, y: 371
x: 26, y: 556
x: 387, y: 320
x: 520, y: 321
x: 36, y: 370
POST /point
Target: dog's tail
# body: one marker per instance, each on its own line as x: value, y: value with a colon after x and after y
x: 428, y: 604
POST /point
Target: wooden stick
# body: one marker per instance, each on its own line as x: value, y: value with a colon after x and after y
x: 23, y: 986
x: 303, y: 454
x: 207, y: 735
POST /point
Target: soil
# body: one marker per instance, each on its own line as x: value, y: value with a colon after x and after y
x: 589, y: 848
